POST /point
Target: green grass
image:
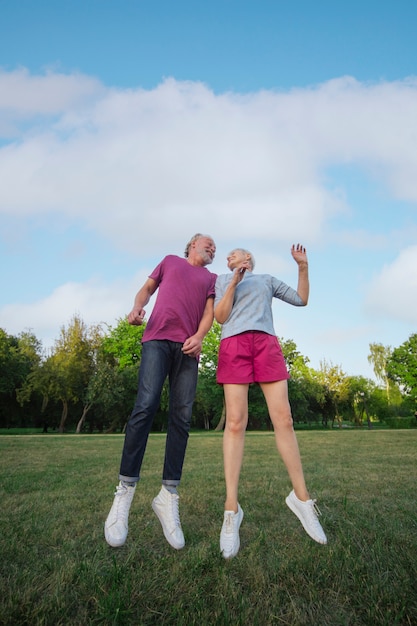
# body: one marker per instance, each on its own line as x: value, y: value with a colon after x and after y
x: 56, y: 568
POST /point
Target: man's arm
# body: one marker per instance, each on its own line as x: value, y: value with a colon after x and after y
x: 192, y: 345
x: 137, y: 314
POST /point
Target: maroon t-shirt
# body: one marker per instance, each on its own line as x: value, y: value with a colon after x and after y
x: 183, y: 290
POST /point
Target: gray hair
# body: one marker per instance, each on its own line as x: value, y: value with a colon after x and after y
x: 251, y: 259
x: 189, y: 244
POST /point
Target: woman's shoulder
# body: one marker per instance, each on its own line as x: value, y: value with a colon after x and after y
x: 261, y: 278
x: 223, y: 278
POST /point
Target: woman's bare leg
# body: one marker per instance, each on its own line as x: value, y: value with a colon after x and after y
x: 236, y: 398
x: 276, y: 396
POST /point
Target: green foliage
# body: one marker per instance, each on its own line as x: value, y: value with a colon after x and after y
x: 110, y: 395
x: 258, y: 416
x: 296, y: 362
x: 379, y: 357
x: 88, y: 383
x: 404, y: 422
x: 124, y: 343
x: 402, y: 366
x: 18, y: 356
x: 66, y: 373
x: 208, y: 403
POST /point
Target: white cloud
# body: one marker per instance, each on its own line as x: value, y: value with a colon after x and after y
x: 364, y: 239
x: 393, y: 292
x: 26, y: 95
x: 130, y: 159
x: 141, y: 170
x: 94, y: 301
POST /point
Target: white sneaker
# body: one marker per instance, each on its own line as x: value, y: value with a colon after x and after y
x: 307, y: 514
x: 115, y: 526
x: 229, y: 535
x: 165, y: 506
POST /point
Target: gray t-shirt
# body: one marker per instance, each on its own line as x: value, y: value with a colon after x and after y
x: 252, y: 302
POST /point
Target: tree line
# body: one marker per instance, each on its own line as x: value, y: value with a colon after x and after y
x: 87, y: 383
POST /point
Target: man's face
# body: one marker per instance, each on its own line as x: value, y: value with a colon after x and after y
x: 206, y: 249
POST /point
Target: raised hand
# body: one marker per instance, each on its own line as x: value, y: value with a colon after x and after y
x: 299, y: 253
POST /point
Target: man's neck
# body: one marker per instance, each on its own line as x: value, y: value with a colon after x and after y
x: 196, y: 261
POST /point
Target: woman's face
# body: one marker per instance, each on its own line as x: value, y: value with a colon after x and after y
x: 237, y: 258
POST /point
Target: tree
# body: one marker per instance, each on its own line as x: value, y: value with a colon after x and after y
x: 73, y: 360
x: 295, y: 361
x: 360, y: 399
x: 209, y: 402
x: 110, y: 395
x: 39, y: 382
x: 18, y: 355
x: 303, y: 388
x: 90, y: 390
x: 336, y: 390
x: 65, y: 374
x: 113, y: 387
x: 402, y: 367
x: 379, y: 358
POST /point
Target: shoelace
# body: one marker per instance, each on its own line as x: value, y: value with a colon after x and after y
x: 314, y: 512
x: 229, y: 524
x: 175, y: 510
x: 316, y: 508
x: 229, y: 535
x: 123, y: 503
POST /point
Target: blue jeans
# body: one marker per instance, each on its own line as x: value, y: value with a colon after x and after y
x: 159, y: 360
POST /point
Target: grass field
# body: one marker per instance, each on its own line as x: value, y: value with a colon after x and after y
x: 56, y: 568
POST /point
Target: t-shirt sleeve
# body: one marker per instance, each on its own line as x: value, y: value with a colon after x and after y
x: 220, y: 287
x: 212, y: 288
x: 284, y: 292
x: 158, y: 272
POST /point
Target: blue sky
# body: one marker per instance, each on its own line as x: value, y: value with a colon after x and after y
x: 126, y: 127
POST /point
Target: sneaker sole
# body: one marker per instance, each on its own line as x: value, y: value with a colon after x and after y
x: 111, y: 542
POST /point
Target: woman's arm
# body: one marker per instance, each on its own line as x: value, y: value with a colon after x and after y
x: 299, y: 254
x: 224, y: 306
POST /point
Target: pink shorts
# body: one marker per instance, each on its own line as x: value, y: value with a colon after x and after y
x: 251, y: 357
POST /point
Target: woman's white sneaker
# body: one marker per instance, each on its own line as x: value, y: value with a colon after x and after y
x: 307, y: 512
x: 229, y: 535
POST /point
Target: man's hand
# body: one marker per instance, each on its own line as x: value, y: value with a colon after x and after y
x: 136, y: 317
x: 192, y: 346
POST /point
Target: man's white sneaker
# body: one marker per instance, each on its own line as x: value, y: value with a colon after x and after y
x: 116, y: 525
x: 307, y: 514
x: 229, y: 535
x: 165, y: 506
